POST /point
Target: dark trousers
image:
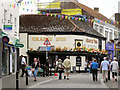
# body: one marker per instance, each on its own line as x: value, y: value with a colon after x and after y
x: 114, y: 74
x: 47, y: 70
x: 86, y: 70
x: 23, y: 70
x: 60, y: 74
x: 94, y: 73
x: 108, y: 75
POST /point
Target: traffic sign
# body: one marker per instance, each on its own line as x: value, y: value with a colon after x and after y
x: 47, y: 42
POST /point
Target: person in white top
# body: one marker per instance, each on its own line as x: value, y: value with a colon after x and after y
x: 114, y: 65
x: 23, y: 65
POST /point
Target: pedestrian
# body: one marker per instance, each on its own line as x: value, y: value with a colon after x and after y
x: 115, y: 68
x: 23, y: 65
x: 109, y: 60
x: 47, y: 67
x: 67, y: 66
x: 59, y: 68
x: 104, y: 66
x: 90, y: 62
x: 35, y: 66
x: 119, y: 66
x: 94, y: 67
x: 38, y: 60
x: 55, y: 62
x: 86, y: 65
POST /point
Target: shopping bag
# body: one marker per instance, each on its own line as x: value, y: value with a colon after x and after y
x: 29, y: 73
x: 55, y: 74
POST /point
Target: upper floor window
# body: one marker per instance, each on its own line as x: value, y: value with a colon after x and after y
x: 11, y: 17
x: 115, y: 34
x: 15, y: 22
x: 5, y: 16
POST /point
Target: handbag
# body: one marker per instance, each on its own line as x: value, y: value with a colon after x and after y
x: 55, y: 74
x: 29, y: 73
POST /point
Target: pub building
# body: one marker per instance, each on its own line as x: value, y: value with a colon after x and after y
x: 67, y: 38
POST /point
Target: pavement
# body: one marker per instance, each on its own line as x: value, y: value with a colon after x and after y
x: 77, y: 80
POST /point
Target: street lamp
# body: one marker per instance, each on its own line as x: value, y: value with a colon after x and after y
x: 17, y: 72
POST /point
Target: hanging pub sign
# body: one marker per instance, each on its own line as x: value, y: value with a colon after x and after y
x: 19, y: 45
x: 78, y: 61
x: 7, y: 27
x: 5, y: 39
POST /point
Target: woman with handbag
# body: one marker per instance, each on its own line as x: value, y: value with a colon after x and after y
x: 59, y: 68
x: 35, y: 66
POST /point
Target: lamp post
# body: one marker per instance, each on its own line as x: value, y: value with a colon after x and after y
x: 17, y: 72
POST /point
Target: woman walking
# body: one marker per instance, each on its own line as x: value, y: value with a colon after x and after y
x: 59, y: 67
x: 94, y: 67
x: 35, y: 66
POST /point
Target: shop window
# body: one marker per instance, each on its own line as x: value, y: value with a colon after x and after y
x: 5, y: 16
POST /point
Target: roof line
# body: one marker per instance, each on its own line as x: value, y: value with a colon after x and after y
x: 76, y: 26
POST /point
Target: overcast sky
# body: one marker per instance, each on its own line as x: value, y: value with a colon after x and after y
x: 106, y: 7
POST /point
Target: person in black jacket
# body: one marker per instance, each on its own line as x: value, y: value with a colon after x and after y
x: 47, y: 67
x: 35, y: 66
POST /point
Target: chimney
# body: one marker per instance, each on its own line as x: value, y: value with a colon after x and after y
x: 117, y: 18
x: 119, y: 7
x: 96, y: 9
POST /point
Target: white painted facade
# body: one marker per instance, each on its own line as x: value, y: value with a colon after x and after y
x: 9, y: 16
x: 107, y: 30
x: 34, y: 41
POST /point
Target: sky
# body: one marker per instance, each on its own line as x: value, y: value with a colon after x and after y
x: 106, y: 7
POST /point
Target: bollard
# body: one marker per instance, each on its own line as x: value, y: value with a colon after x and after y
x: 17, y: 80
x: 26, y: 77
x: 79, y: 69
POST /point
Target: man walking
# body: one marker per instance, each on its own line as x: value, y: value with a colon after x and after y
x: 115, y: 67
x: 67, y: 65
x: 105, y: 65
x: 94, y: 67
x: 23, y: 65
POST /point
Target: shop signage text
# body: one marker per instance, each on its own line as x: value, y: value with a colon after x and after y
x: 7, y: 27
x: 110, y: 46
x: 19, y: 45
x: 91, y: 41
x: 78, y: 61
x: 49, y: 38
x: 43, y: 48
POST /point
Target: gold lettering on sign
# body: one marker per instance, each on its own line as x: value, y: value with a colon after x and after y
x: 49, y: 38
x: 91, y: 41
x: 33, y: 39
x: 60, y: 39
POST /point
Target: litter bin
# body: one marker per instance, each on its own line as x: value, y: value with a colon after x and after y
x: 74, y: 69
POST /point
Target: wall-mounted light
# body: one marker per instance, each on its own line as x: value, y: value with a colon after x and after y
x: 18, y: 1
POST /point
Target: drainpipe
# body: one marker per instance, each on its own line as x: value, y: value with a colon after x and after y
x: 0, y: 59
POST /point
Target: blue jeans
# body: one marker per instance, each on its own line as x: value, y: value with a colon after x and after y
x: 35, y: 72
